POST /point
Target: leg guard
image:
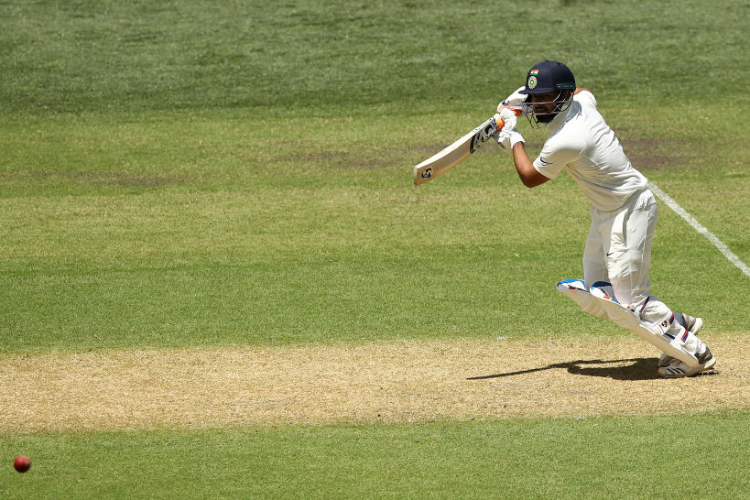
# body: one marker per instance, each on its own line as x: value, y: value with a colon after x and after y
x: 601, y: 303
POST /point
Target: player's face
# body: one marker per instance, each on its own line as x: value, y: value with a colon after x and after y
x: 542, y: 108
x: 544, y: 104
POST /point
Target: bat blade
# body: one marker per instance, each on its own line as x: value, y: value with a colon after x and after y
x: 457, y: 152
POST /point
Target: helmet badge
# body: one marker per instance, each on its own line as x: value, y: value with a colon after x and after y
x: 532, y: 82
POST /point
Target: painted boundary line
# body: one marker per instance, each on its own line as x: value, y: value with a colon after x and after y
x: 702, y: 230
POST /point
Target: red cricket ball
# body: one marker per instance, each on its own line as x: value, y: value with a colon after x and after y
x: 21, y: 463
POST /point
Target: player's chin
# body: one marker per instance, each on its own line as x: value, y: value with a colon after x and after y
x: 546, y: 118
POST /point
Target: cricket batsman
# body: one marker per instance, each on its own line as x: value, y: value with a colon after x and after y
x: 617, y: 254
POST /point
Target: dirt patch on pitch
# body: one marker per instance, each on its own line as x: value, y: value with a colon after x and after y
x: 651, y: 154
x: 391, y: 382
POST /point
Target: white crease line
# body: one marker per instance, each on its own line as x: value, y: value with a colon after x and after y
x: 702, y: 230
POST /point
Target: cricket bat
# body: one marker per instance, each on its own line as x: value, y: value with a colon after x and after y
x: 457, y: 152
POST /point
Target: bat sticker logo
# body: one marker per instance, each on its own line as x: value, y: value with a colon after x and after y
x: 427, y: 173
x: 482, y: 135
x: 474, y: 143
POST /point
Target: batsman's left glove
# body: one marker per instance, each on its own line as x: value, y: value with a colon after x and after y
x: 513, y: 101
x: 509, y: 135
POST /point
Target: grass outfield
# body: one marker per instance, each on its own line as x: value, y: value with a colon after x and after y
x: 193, y: 175
x: 566, y: 458
x: 165, y: 233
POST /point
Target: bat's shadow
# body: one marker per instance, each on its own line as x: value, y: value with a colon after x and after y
x: 620, y: 369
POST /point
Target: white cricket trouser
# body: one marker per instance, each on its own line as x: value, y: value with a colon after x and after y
x: 618, y: 250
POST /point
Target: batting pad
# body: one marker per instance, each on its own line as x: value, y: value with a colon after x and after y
x: 601, y: 303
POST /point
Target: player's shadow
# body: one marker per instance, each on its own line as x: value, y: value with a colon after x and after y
x: 635, y: 369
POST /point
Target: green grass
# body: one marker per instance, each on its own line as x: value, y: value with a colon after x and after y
x: 194, y: 173
x: 564, y: 458
x: 329, y: 57
x: 173, y: 233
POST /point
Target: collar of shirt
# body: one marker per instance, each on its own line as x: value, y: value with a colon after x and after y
x: 563, y: 117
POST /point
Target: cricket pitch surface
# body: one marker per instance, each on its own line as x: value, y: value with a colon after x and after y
x: 392, y: 382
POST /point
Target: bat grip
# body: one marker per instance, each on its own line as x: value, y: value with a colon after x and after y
x: 500, y: 122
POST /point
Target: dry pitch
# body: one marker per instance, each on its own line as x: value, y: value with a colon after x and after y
x: 389, y: 382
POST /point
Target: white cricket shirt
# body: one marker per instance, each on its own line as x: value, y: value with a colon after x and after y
x: 582, y: 144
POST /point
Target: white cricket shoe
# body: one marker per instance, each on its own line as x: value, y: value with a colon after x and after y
x: 693, y: 325
x: 678, y: 369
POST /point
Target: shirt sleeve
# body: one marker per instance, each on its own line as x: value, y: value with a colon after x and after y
x: 554, y: 156
x: 586, y: 98
x: 564, y: 147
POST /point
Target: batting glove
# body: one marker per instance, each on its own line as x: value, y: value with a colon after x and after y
x: 509, y: 135
x: 514, y: 101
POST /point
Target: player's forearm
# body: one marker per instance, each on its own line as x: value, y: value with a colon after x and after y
x: 525, y: 168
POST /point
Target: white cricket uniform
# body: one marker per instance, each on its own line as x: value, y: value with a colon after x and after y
x: 582, y: 144
x: 623, y: 209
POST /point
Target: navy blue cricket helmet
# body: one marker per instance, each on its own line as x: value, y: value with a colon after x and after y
x: 548, y: 77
